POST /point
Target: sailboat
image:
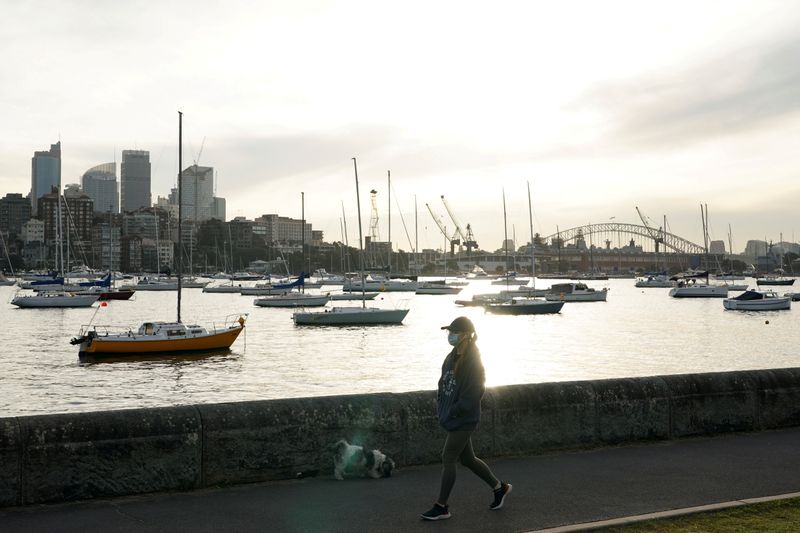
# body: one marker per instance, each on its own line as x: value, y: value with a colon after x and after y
x: 161, y: 337
x: 346, y: 316
x: 53, y: 293
x: 527, y: 306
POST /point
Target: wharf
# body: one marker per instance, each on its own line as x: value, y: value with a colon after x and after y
x: 549, y: 491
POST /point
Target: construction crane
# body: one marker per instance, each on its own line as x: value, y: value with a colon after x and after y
x: 656, y: 235
x: 468, y: 239
x: 454, y: 240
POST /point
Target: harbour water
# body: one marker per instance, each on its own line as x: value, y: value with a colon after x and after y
x: 637, y: 332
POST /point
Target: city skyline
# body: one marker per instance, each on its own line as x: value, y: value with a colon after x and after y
x: 602, y: 109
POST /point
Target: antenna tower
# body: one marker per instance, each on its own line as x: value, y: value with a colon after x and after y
x: 373, y: 217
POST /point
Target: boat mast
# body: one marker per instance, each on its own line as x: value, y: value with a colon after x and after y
x: 360, y: 238
x: 346, y: 242
x: 416, y: 237
x: 180, y: 209
x: 505, y: 236
x: 533, y: 247
x: 303, y: 233
x: 389, y: 175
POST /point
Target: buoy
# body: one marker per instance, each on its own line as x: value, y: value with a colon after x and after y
x: 766, y: 322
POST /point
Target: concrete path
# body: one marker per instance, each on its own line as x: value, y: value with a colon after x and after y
x: 549, y: 491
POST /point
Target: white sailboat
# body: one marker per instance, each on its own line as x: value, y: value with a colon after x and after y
x: 529, y: 305
x: 56, y: 296
x: 341, y: 316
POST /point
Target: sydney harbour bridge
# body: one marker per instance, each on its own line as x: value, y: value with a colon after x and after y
x: 608, y: 246
x: 610, y: 233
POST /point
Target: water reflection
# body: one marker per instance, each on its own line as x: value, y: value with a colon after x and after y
x: 635, y: 333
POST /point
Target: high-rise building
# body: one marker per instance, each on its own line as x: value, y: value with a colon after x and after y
x: 100, y: 183
x: 135, y: 180
x: 275, y: 228
x: 15, y: 210
x: 218, y: 209
x: 717, y: 247
x: 45, y: 173
x: 197, y: 193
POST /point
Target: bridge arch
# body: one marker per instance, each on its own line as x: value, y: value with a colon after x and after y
x: 670, y: 241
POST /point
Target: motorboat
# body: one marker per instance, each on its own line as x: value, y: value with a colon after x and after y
x: 477, y: 273
x: 292, y: 299
x: 322, y: 277
x: 795, y: 296
x: 774, y: 281
x: 437, y: 287
x: 696, y: 285
x: 658, y: 280
x: 157, y: 338
x: 55, y: 299
x: 575, y: 292
x: 758, y: 301
x: 351, y: 316
x: 373, y: 283
x: 525, y: 306
x: 107, y: 293
x: 193, y: 283
x: 152, y: 284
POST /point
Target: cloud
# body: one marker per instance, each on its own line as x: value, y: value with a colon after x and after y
x: 741, y: 91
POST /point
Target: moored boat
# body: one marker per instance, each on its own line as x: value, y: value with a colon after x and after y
x: 54, y: 299
x: 160, y: 337
x: 696, y: 285
x: 157, y: 338
x: 525, y: 306
x: 351, y: 316
x: 575, y: 292
x: 437, y: 287
x: 292, y: 299
x: 758, y: 301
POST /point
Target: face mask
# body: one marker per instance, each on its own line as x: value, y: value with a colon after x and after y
x: 452, y: 338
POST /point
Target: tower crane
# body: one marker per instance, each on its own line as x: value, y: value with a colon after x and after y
x: 467, y: 239
x: 656, y: 235
x: 454, y: 240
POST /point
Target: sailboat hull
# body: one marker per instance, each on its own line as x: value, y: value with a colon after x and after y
x: 351, y: 316
x: 117, y: 345
x: 535, y: 307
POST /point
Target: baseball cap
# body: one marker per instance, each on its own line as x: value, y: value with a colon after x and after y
x: 461, y: 324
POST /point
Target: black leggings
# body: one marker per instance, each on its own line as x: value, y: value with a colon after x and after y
x: 458, y: 446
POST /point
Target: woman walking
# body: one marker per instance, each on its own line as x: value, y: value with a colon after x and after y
x: 458, y: 401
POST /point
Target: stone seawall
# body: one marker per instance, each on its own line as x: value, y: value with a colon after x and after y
x: 55, y: 458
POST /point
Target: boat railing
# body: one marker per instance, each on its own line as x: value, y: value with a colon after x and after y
x: 230, y: 321
x: 102, y: 330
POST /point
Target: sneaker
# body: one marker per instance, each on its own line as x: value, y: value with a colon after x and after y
x: 500, y: 496
x: 437, y: 512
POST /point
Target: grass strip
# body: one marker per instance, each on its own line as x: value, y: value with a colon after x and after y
x: 774, y: 517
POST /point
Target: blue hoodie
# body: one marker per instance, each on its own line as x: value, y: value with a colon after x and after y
x: 459, y: 396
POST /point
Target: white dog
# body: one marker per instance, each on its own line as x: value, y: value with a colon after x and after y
x: 357, y: 461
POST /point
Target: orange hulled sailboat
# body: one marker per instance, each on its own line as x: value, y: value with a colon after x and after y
x: 161, y: 337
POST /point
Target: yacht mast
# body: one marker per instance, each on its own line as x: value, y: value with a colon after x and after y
x: 533, y: 247
x: 180, y: 209
x: 360, y: 238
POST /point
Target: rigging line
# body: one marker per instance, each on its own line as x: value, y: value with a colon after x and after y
x: 71, y: 224
x: 402, y: 219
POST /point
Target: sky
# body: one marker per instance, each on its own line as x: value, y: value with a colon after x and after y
x: 599, y: 106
